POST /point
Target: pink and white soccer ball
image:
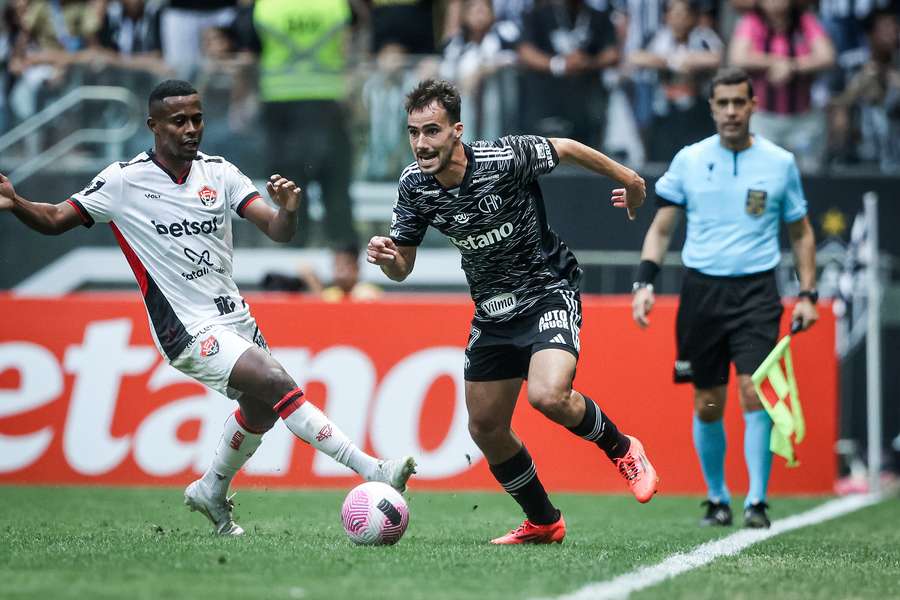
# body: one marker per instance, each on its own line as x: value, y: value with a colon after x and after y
x: 374, y: 514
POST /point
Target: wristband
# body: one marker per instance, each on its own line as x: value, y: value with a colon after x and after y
x: 558, y: 65
x: 647, y: 271
x: 811, y: 295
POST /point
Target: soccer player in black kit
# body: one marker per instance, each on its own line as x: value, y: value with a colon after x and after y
x: 524, y: 281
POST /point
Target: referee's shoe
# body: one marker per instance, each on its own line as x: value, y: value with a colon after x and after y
x: 755, y: 516
x: 718, y: 514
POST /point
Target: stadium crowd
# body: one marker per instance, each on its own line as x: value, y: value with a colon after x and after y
x: 626, y: 76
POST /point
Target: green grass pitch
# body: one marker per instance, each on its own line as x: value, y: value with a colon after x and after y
x: 80, y: 542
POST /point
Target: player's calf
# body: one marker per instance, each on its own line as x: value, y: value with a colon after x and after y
x: 312, y: 426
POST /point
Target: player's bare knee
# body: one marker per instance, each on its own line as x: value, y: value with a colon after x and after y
x: 487, y: 430
x: 549, y: 399
x: 277, y: 383
x: 710, y: 414
x: 750, y: 402
x: 749, y: 398
x: 708, y: 406
x: 257, y: 413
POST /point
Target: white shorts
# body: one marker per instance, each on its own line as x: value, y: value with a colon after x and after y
x: 213, y: 351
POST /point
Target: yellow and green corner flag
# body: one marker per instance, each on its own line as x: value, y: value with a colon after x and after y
x: 777, y: 390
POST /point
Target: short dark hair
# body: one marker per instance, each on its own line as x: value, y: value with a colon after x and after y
x: 168, y: 89
x: 440, y: 91
x: 351, y: 248
x: 875, y: 16
x: 731, y: 76
x: 693, y: 6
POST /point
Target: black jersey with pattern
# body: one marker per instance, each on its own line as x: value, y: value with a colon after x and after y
x: 496, y: 219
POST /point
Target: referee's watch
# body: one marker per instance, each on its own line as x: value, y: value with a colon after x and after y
x: 811, y: 295
x: 641, y: 284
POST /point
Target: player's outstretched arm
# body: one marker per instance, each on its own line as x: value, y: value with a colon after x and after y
x: 396, y: 262
x: 656, y: 244
x: 803, y: 243
x: 49, y: 219
x: 634, y: 190
x: 280, y: 225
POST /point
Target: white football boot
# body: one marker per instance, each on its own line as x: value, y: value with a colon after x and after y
x: 198, y: 498
x: 395, y: 472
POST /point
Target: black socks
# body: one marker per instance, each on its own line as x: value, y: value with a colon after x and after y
x: 519, y: 478
x: 596, y: 427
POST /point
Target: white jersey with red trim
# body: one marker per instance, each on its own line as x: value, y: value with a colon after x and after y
x: 175, y: 232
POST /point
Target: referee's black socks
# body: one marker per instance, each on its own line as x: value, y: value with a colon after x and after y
x: 519, y: 478
x: 596, y: 427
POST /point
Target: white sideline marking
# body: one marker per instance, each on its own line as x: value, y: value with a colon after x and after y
x: 644, y: 577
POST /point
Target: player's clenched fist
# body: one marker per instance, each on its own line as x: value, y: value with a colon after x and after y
x: 381, y: 250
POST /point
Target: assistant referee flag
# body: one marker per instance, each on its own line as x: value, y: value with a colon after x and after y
x: 776, y: 387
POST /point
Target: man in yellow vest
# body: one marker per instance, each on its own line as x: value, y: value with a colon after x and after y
x: 302, y: 83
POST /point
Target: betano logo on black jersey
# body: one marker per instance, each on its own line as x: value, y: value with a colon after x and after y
x: 483, y: 240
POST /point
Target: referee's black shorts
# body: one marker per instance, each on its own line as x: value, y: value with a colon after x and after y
x: 723, y: 320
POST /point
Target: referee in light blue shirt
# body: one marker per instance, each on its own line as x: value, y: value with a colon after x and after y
x: 736, y: 189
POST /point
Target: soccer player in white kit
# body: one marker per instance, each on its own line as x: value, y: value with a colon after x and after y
x: 170, y: 210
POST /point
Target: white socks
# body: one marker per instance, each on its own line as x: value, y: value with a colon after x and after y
x: 311, y: 425
x: 236, y: 446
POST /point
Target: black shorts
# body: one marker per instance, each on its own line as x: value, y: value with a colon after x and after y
x: 503, y: 350
x: 723, y: 320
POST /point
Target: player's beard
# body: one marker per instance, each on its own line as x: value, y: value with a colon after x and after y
x: 443, y: 159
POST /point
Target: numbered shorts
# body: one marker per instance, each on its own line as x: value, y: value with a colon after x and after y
x: 213, y: 351
x: 503, y: 350
x: 723, y: 320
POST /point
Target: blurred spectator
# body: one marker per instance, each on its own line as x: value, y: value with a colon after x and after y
x: 345, y: 283
x: 565, y: 46
x: 226, y: 81
x: 512, y: 11
x: 784, y: 47
x: 873, y: 96
x: 180, y: 27
x: 131, y: 28
x: 241, y: 30
x: 131, y: 33
x: 844, y: 20
x: 683, y: 54
x: 61, y: 33
x: 638, y: 21
x: 63, y: 26
x: 302, y: 87
x: 13, y: 46
x: 642, y: 19
x: 472, y: 58
x: 408, y: 25
x: 402, y: 44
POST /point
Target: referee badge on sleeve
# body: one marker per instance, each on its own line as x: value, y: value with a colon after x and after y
x: 756, y: 202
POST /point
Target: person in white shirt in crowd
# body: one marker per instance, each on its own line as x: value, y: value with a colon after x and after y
x: 684, y: 54
x: 472, y: 58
